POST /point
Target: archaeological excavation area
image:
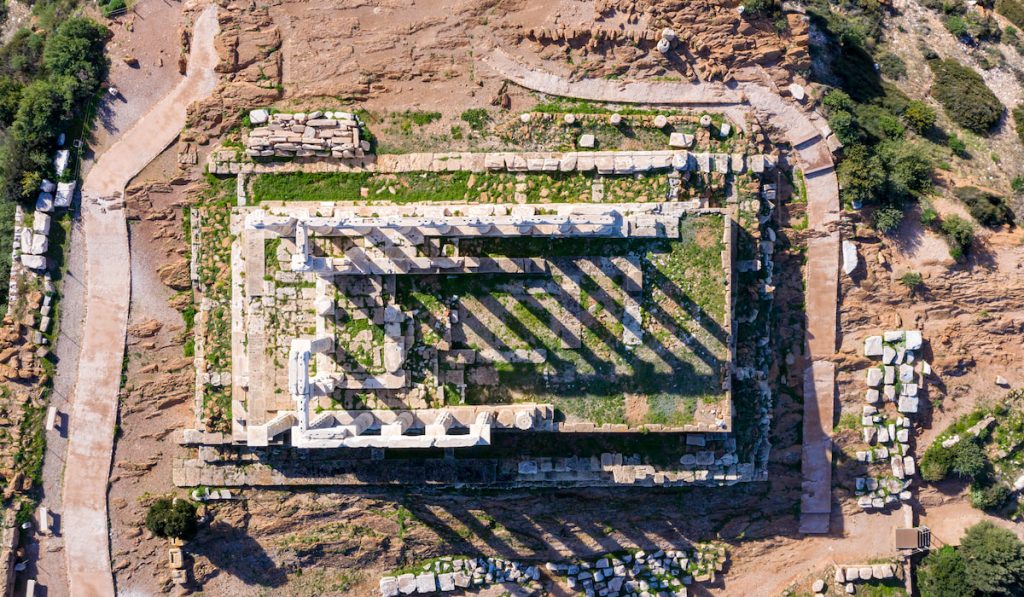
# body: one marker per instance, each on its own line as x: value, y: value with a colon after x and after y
x: 473, y: 304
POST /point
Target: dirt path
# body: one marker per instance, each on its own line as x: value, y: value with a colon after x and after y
x: 94, y: 413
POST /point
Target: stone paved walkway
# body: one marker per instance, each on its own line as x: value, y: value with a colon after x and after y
x: 807, y: 133
x: 94, y: 412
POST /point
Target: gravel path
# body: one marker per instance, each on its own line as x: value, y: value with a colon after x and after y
x: 94, y: 413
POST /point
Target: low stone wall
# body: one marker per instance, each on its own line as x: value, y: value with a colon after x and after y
x: 319, y: 134
x: 234, y: 467
x: 227, y: 162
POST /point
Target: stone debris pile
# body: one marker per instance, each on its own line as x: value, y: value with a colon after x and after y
x: 450, y: 573
x: 317, y: 134
x: 664, y: 573
x: 894, y: 383
x: 846, y: 576
x: 708, y: 467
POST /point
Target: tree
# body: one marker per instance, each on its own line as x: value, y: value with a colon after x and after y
x: 919, y: 116
x: 10, y: 96
x: 908, y: 170
x: 942, y: 574
x: 969, y: 460
x: 75, y: 50
x: 844, y: 126
x: 176, y: 519
x: 861, y: 175
x: 993, y: 560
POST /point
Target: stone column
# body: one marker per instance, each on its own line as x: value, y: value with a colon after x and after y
x: 362, y: 423
x: 444, y: 421
x: 524, y: 420
x: 401, y: 424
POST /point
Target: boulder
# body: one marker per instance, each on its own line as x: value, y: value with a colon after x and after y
x: 258, y: 116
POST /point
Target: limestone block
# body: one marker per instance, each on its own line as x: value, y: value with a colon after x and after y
x: 872, y: 396
x: 874, y: 376
x: 587, y: 141
x: 426, y: 583
x: 865, y: 573
x: 850, y: 258
x: 258, y: 116
x: 407, y: 584
x: 888, y: 354
x: 388, y: 586
x: 906, y: 373
x: 907, y: 404
x: 913, y: 339
x: 890, y: 374
x: 909, y: 466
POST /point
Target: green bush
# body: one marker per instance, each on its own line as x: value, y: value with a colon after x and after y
x: 989, y: 496
x: 844, y: 126
x: 928, y: 214
x: 75, y: 50
x: 10, y: 96
x: 172, y: 518
x: 1018, y: 119
x: 959, y: 235
x: 887, y: 219
x: 964, y: 95
x: 957, y: 145
x: 919, y: 116
x: 936, y: 462
x: 988, y: 209
x: 969, y: 460
x: 113, y: 7
x: 942, y: 574
x: 956, y: 25
x: 477, y: 118
x: 759, y: 8
x: 1013, y: 10
x: 891, y: 65
x: 912, y: 280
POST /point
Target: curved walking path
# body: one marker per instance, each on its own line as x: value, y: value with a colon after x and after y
x: 807, y: 133
x: 94, y: 413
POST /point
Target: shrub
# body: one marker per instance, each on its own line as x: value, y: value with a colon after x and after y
x: 891, y: 126
x: 928, y: 214
x: 959, y: 235
x: 10, y: 96
x: 912, y: 280
x: 887, y: 219
x: 964, y: 95
x: 988, y: 209
x: 957, y: 145
x: 844, y: 126
x: 908, y: 170
x: 956, y: 25
x: 477, y: 118
x: 861, y: 175
x: 989, y: 497
x: 969, y: 460
x: 993, y: 560
x: 1018, y: 119
x: 891, y: 65
x: 172, y: 518
x: 758, y: 8
x: 837, y: 100
x: 936, y: 462
x: 942, y: 574
x: 1013, y: 10
x: 919, y: 116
